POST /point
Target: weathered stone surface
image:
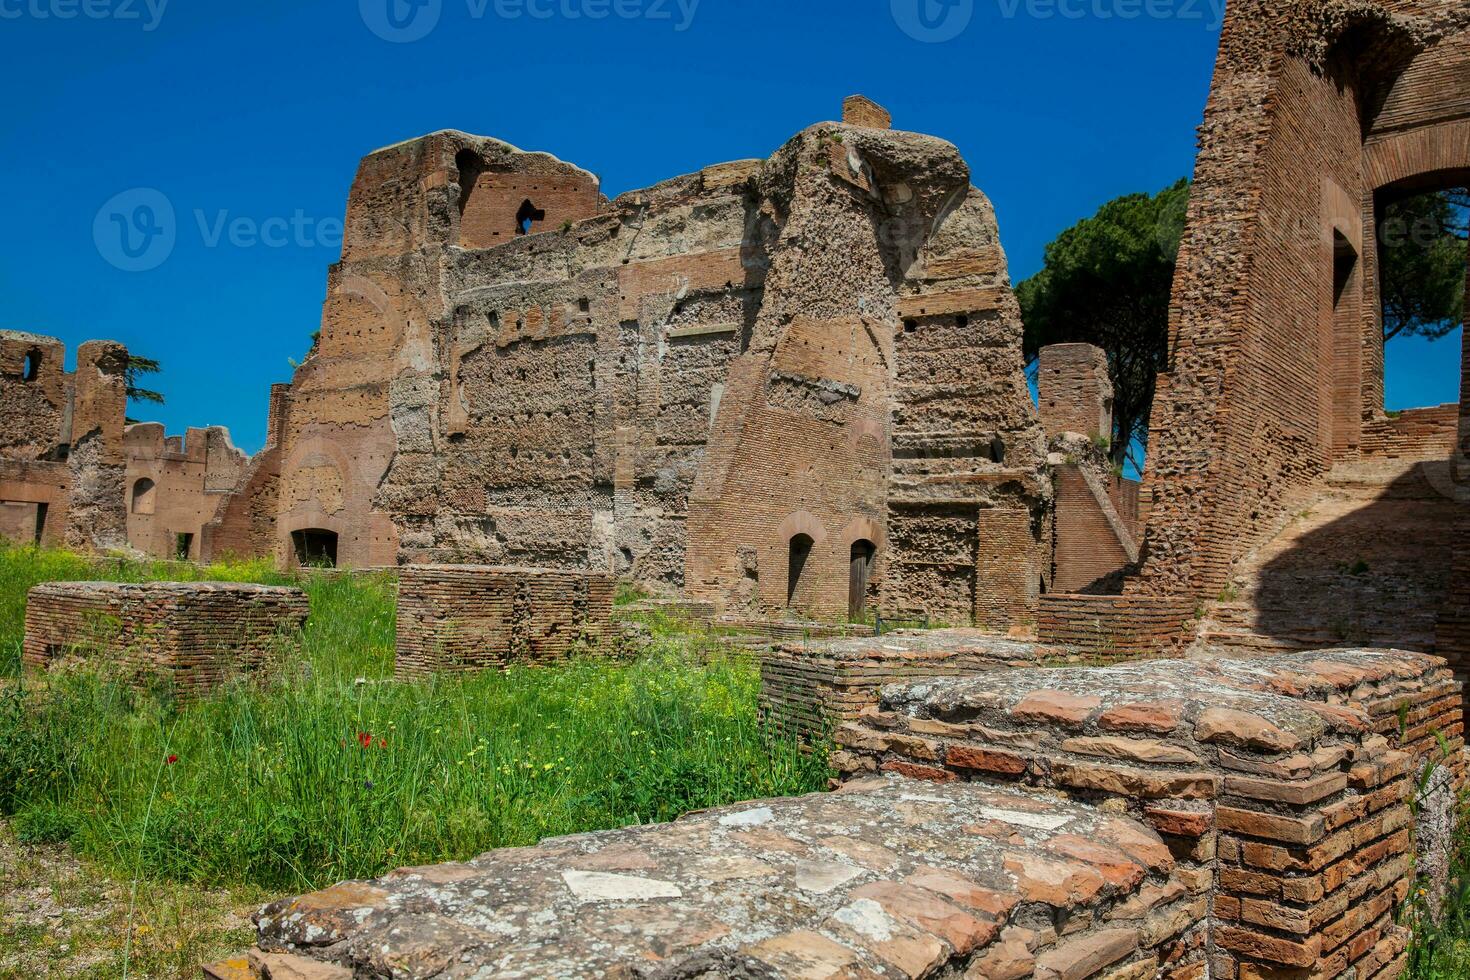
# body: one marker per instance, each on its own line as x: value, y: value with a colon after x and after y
x: 880, y: 879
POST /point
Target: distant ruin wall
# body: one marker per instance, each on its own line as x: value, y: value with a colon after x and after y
x: 470, y: 617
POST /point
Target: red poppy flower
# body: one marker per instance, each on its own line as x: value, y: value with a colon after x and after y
x: 172, y: 759
x: 382, y: 743
x: 365, y: 739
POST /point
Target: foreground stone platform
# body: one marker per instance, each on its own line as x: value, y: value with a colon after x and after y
x: 889, y: 877
x: 472, y: 617
x: 811, y: 688
x: 189, y: 635
x: 1284, y: 783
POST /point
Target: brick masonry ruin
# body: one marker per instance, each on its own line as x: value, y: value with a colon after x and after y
x: 73, y: 472
x: 1174, y: 820
x: 1283, y: 786
x: 810, y: 688
x: 784, y: 383
x: 470, y: 617
x: 187, y: 636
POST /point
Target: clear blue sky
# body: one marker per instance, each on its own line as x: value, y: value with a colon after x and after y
x: 261, y: 111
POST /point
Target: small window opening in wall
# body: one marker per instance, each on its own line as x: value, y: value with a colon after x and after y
x: 144, y: 496
x: 1344, y: 260
x: 962, y: 321
x: 32, y: 368
x: 798, y: 551
x: 40, y: 522
x: 527, y: 217
x: 909, y: 326
x: 315, y: 547
x: 183, y: 546
x: 859, y: 571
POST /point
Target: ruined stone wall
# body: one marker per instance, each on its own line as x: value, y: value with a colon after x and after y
x: 35, y: 396
x: 1283, y: 787
x: 1092, y: 540
x: 174, y: 487
x: 243, y: 523
x: 471, y: 617
x: 674, y: 385
x: 809, y: 689
x: 1276, y: 359
x: 190, y: 637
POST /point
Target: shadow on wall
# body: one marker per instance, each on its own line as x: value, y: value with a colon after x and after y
x: 1369, y: 564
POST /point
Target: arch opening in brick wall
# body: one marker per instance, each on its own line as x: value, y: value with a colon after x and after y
x: 528, y: 217
x: 798, y: 551
x: 315, y: 547
x: 31, y: 369
x: 145, y: 497
x: 860, y: 570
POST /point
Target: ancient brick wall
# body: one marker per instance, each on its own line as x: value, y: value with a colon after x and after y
x: 1114, y: 627
x: 174, y: 487
x: 470, y: 617
x: 1276, y: 363
x: 1074, y: 392
x: 663, y: 387
x: 808, y: 689
x: 1280, y: 786
x: 1422, y: 433
x: 190, y: 637
x: 61, y: 460
x: 888, y: 877
x: 35, y: 396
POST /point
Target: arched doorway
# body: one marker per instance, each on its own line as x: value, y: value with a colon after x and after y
x: 860, y: 569
x: 315, y: 547
x: 798, y: 551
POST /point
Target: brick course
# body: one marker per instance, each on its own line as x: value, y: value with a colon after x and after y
x: 1282, y: 784
x: 192, y: 636
x: 470, y: 617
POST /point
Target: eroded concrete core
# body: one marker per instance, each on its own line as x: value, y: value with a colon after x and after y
x: 888, y: 878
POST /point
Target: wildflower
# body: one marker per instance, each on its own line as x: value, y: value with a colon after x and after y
x: 382, y: 743
x: 367, y: 784
x: 365, y: 739
x: 171, y: 760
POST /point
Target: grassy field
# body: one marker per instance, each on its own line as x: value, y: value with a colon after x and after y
x: 337, y: 773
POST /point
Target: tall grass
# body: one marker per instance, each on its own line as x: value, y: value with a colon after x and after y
x: 338, y: 772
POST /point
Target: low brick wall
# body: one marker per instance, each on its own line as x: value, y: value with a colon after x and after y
x: 809, y: 689
x: 888, y: 878
x: 1282, y: 785
x: 1115, y: 627
x: 1427, y: 433
x: 471, y: 617
x: 189, y: 635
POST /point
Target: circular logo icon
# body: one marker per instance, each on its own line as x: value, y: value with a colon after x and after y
x: 933, y: 21
x: 135, y: 231
x: 401, y: 21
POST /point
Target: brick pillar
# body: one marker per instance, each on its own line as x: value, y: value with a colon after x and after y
x: 1452, y: 635
x: 1075, y: 391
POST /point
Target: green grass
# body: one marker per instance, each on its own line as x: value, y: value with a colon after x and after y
x: 276, y: 788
